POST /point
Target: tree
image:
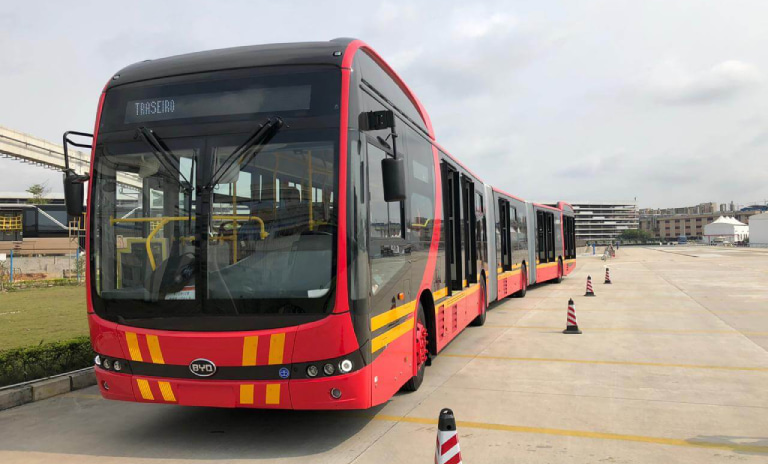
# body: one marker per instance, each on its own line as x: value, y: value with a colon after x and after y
x: 636, y: 235
x: 39, y: 192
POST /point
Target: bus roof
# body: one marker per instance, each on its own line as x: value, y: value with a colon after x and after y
x: 318, y: 53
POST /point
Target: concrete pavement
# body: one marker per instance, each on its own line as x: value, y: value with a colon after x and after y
x: 672, y: 367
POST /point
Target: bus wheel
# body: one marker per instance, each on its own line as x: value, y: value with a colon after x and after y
x: 480, y: 319
x: 421, y: 353
x: 559, y: 271
x: 524, y: 276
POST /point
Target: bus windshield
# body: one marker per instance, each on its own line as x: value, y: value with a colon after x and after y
x: 189, y: 232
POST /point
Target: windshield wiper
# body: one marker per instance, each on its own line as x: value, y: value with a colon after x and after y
x: 164, y: 156
x: 247, y: 150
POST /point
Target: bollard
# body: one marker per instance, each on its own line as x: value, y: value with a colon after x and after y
x: 590, y: 292
x: 447, y: 450
x: 572, y: 327
x: 607, y: 276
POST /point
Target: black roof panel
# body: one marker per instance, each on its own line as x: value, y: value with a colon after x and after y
x: 234, y: 58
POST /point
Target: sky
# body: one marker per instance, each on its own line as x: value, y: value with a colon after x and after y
x: 662, y: 101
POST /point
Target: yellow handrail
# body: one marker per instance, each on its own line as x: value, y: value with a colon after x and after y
x: 163, y: 220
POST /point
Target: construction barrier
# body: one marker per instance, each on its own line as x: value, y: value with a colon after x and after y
x: 590, y: 292
x: 572, y: 327
x: 447, y: 450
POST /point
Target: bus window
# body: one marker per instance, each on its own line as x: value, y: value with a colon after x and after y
x: 451, y: 205
x: 387, y: 250
x: 541, y: 247
x: 468, y: 236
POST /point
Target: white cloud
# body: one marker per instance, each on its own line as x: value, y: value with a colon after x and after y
x: 670, y: 82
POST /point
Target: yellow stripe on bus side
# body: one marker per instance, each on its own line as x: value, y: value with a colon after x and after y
x: 276, y: 347
x: 167, y: 391
x: 544, y: 266
x: 391, y: 335
x: 442, y: 293
x: 154, y: 349
x: 250, y: 346
x: 273, y: 393
x: 246, y: 394
x: 146, y: 392
x: 509, y: 274
x: 133, y: 346
x: 392, y: 315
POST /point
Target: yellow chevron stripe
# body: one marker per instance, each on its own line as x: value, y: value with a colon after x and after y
x: 273, y: 393
x: 391, y: 335
x: 276, y: 348
x: 154, y: 349
x: 392, y: 315
x: 133, y: 346
x: 250, y: 345
x: 146, y: 392
x: 167, y: 391
x: 246, y: 394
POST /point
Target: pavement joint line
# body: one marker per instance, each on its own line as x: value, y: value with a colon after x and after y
x: 679, y: 288
x: 582, y: 434
x: 634, y: 329
x: 620, y: 398
x: 615, y: 363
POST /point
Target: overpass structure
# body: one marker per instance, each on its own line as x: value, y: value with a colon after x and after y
x: 32, y: 150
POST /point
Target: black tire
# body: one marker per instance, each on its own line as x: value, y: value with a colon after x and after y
x: 521, y: 293
x: 560, y: 271
x: 480, y: 319
x: 414, y: 382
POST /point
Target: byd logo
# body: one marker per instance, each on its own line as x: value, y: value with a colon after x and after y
x: 202, y: 367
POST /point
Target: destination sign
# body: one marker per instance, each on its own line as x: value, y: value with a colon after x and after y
x: 247, y: 101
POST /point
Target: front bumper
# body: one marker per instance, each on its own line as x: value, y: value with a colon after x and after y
x: 273, y: 394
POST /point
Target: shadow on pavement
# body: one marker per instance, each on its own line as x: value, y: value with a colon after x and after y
x: 88, y: 425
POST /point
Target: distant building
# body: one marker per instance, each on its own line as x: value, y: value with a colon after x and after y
x: 701, y: 208
x: 758, y: 230
x: 670, y: 227
x: 603, y: 222
x: 726, y: 229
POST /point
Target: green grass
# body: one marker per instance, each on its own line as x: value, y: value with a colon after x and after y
x: 31, y: 316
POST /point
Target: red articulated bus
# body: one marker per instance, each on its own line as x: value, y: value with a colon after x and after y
x: 275, y: 226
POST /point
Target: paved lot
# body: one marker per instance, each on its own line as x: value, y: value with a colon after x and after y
x: 672, y: 367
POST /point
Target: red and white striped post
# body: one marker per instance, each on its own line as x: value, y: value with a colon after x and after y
x: 590, y: 292
x: 572, y: 327
x: 607, y: 276
x: 447, y: 450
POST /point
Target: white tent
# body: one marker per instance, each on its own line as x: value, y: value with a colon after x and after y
x: 758, y: 230
x: 725, y: 229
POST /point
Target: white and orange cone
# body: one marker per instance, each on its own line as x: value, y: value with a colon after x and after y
x: 447, y: 450
x: 607, y: 276
x: 590, y: 292
x: 572, y: 327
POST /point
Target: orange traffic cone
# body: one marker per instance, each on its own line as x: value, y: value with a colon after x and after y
x: 572, y: 327
x: 590, y: 292
x: 607, y: 276
x: 447, y: 450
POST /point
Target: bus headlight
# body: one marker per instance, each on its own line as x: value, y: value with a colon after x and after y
x: 117, y: 365
x: 312, y: 371
x: 107, y: 363
x: 97, y: 360
x: 345, y: 366
x: 329, y: 369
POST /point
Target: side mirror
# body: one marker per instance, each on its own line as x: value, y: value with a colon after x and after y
x: 74, y: 190
x: 74, y: 193
x: 393, y: 176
